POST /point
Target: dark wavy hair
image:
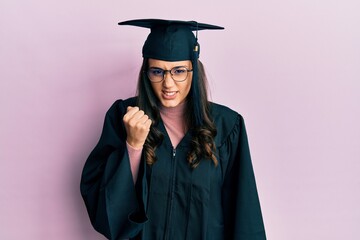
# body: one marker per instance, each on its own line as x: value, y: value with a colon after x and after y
x: 203, y: 134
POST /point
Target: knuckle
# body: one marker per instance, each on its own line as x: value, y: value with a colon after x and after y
x: 132, y: 124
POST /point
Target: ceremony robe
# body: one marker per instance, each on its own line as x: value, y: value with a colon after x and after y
x: 170, y: 200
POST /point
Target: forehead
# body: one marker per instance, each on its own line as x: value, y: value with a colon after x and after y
x: 167, y: 64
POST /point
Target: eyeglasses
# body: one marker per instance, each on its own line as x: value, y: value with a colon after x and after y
x: 178, y: 74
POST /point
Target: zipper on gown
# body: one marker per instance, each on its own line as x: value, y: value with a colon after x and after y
x: 172, y: 193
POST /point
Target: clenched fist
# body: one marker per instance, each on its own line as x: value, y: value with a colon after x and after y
x: 137, y: 125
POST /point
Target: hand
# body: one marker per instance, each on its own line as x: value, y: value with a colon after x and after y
x: 137, y: 125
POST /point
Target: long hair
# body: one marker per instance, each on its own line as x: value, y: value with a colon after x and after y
x: 203, y: 134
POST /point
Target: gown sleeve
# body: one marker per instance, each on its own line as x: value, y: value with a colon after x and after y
x: 241, y: 206
x: 115, y: 206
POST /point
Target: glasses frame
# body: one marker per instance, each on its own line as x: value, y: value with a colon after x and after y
x: 168, y: 71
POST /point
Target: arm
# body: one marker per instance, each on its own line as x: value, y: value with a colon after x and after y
x: 137, y: 125
x: 107, y: 185
x: 242, y: 213
x: 135, y: 158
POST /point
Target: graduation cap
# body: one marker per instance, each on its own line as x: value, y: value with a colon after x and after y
x: 171, y: 40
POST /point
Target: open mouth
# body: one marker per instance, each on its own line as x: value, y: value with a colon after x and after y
x: 169, y: 94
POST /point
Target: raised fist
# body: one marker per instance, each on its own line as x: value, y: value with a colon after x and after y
x: 137, y: 125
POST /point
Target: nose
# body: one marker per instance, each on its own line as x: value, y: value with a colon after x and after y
x: 168, y: 81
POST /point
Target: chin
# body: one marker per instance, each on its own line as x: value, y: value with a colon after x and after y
x: 170, y: 103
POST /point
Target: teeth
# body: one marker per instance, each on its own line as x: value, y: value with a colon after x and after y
x: 169, y: 93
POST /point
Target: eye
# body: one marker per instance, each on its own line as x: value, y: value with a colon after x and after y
x: 179, y: 70
x: 156, y: 71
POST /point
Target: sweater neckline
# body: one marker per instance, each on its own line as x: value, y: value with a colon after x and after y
x: 175, y: 112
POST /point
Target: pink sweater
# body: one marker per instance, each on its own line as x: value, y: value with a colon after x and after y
x: 173, y: 119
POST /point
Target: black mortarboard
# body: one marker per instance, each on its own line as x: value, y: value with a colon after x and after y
x: 170, y: 40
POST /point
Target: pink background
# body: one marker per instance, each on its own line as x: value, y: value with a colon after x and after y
x: 291, y: 68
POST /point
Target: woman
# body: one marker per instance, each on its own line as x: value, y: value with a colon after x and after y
x: 169, y: 163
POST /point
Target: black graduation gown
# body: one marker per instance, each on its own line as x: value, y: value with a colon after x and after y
x: 170, y: 200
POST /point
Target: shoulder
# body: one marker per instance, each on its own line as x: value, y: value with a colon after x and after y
x: 117, y: 111
x: 224, y: 115
x: 227, y: 121
x: 120, y: 105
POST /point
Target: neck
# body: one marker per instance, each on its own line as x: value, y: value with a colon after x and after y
x: 173, y: 119
x: 177, y: 111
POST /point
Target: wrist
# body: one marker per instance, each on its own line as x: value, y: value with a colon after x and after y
x: 134, y: 145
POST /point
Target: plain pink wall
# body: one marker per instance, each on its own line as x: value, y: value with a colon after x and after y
x: 291, y: 68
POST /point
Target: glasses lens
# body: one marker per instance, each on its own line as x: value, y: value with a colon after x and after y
x: 179, y: 73
x: 155, y: 74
